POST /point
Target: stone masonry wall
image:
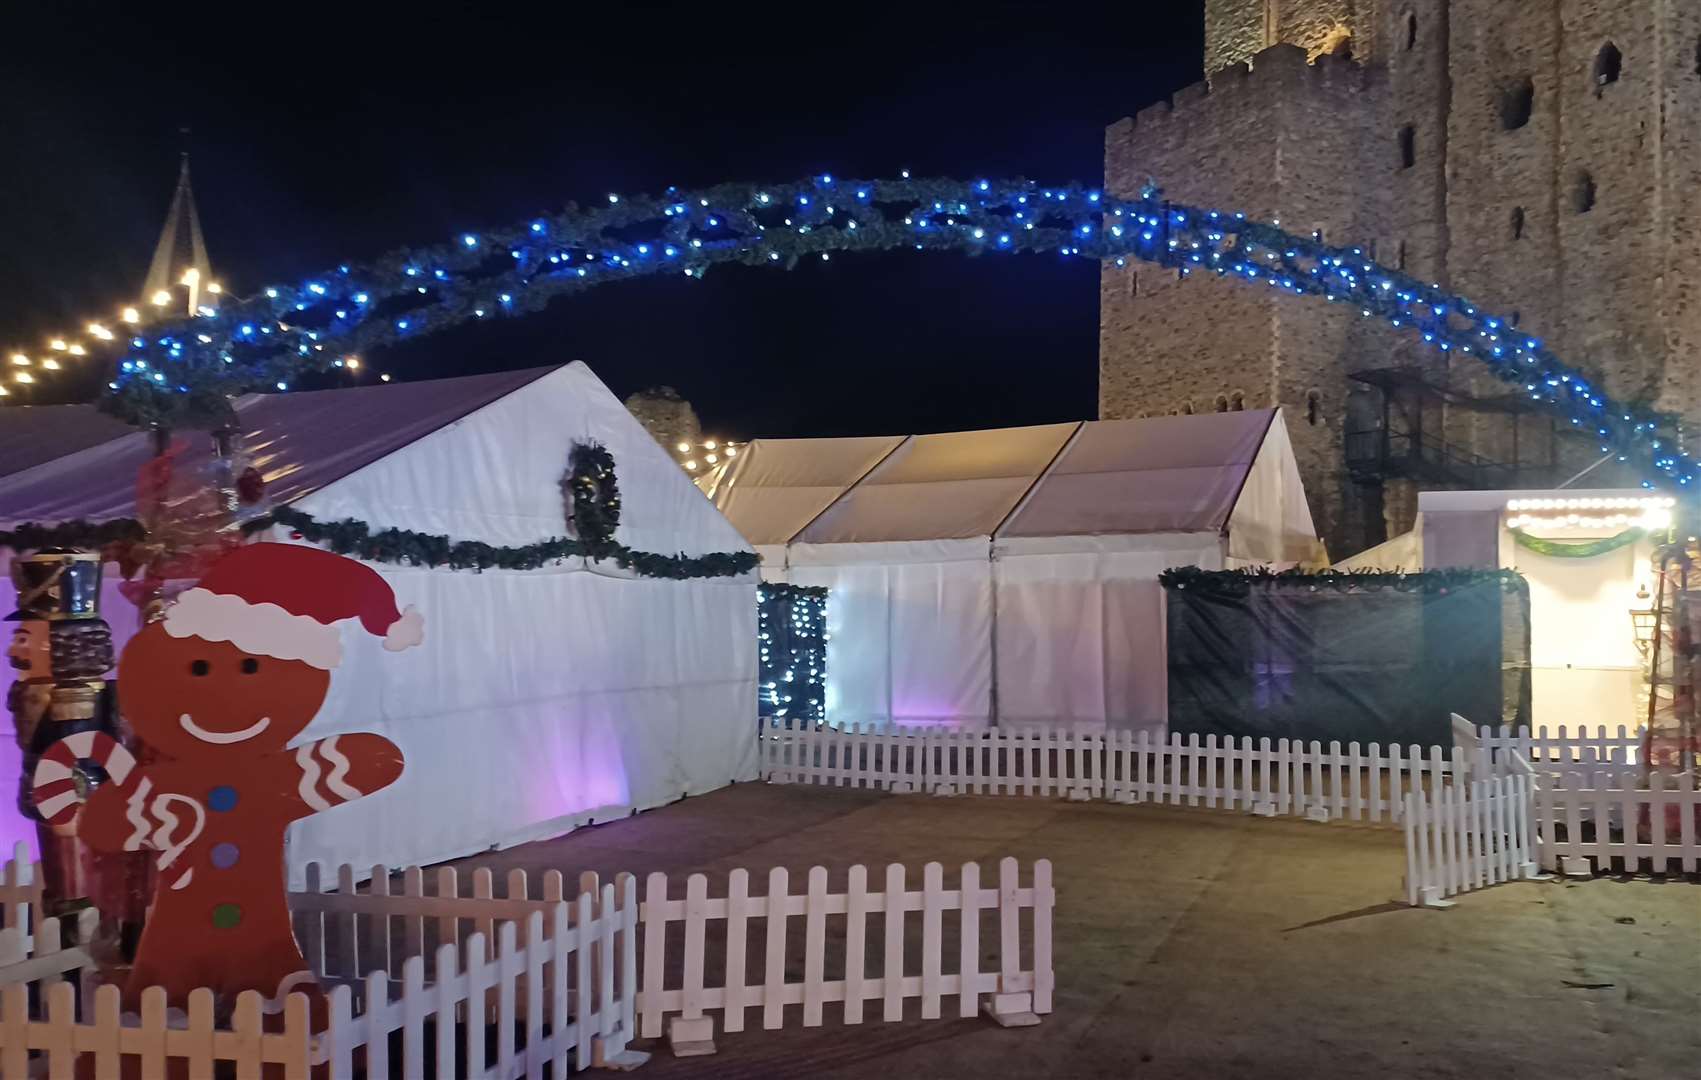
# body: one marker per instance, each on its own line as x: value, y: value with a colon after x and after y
x: 1491, y: 204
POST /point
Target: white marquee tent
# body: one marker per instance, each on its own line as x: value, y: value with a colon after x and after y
x: 540, y: 699
x: 1010, y: 576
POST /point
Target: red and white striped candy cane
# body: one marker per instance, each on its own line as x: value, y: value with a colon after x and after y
x: 54, y: 785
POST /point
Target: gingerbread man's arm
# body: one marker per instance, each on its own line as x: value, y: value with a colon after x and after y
x: 105, y: 824
x: 337, y: 770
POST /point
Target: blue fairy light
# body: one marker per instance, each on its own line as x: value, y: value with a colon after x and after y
x: 1444, y: 320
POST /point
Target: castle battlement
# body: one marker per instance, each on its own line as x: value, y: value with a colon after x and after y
x: 1273, y: 75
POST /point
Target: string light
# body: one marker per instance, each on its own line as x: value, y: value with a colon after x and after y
x: 161, y: 298
x: 20, y: 360
x: 736, y: 224
x: 1592, y: 512
x: 791, y: 651
x: 130, y: 315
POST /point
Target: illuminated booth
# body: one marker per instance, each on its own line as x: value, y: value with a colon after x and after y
x: 1010, y: 576
x: 539, y: 699
x: 1587, y: 556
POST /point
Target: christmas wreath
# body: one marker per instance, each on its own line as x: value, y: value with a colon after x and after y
x: 594, y: 494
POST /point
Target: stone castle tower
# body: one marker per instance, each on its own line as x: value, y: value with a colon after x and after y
x: 1542, y: 157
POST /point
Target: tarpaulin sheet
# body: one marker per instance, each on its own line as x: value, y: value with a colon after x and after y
x: 1284, y: 658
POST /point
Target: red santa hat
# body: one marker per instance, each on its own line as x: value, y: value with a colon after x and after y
x: 284, y: 601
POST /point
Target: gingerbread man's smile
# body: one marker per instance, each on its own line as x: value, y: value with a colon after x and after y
x: 188, y: 724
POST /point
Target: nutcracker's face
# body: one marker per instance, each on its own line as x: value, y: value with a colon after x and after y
x: 31, y: 651
x: 191, y: 698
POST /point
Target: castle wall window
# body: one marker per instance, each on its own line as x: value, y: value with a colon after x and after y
x: 1237, y: 402
x: 1187, y: 408
x: 1399, y: 256
x: 1517, y: 223
x: 1411, y: 30
x: 1516, y: 104
x: 1408, y: 146
x: 1583, y: 193
x: 1313, y: 407
x: 1607, y: 65
x: 1133, y: 284
x: 1222, y: 403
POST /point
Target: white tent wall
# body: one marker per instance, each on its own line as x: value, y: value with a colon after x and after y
x: 910, y: 627
x: 1270, y: 524
x: 542, y: 698
x: 1584, y: 665
x: 773, y: 558
x: 1080, y: 628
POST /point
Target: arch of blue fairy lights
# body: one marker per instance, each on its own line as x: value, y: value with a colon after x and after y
x: 184, y: 374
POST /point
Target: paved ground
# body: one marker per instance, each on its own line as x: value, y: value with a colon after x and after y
x: 1206, y: 944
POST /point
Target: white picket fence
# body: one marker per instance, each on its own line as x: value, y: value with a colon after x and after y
x: 1620, y: 821
x: 1313, y: 780
x: 20, y: 893
x: 555, y: 978
x: 1044, y: 761
x: 870, y: 967
x: 480, y: 985
x: 1559, y: 748
x: 1462, y: 837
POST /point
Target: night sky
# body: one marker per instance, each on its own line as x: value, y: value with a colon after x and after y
x: 317, y: 140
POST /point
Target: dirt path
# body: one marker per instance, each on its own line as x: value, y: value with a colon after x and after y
x: 1203, y: 944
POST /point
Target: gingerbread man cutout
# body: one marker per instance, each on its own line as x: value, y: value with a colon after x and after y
x: 216, y: 691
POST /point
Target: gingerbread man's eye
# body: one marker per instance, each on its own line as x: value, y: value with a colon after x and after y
x: 199, y: 667
x: 250, y: 666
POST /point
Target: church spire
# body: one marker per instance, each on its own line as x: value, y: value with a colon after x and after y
x: 181, y: 255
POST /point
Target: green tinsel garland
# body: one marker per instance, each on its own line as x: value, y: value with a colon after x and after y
x: 1241, y: 582
x: 590, y: 485
x: 88, y: 535
x: 1582, y: 549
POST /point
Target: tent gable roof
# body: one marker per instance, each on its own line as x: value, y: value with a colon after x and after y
x: 776, y: 487
x: 300, y: 442
x: 1166, y: 474
x: 948, y: 486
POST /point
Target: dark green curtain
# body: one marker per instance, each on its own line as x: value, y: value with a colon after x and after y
x: 1372, y: 658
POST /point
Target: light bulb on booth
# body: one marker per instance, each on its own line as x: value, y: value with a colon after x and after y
x: 50, y: 364
x: 161, y: 298
x: 215, y: 288
x: 130, y: 315
x: 20, y: 360
x: 57, y: 344
x: 684, y: 448
x: 190, y: 277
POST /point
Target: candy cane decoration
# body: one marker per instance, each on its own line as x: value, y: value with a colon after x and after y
x: 54, y: 782
x: 155, y: 824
